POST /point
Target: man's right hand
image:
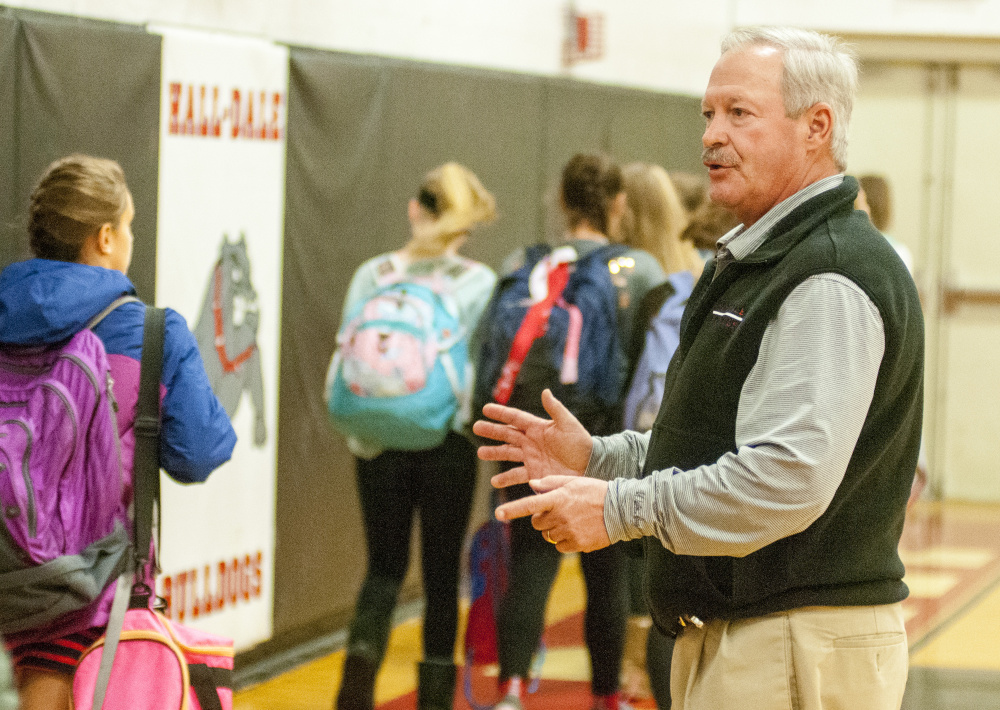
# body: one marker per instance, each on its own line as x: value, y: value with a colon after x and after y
x: 546, y: 447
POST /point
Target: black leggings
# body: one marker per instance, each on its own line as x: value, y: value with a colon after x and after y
x: 534, y: 564
x: 440, y: 483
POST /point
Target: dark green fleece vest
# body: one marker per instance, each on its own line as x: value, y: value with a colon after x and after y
x: 848, y: 556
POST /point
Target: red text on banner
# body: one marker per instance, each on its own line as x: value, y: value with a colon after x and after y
x: 203, y: 111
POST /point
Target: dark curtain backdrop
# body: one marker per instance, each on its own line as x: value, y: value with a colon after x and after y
x: 77, y: 85
x: 362, y: 133
x: 10, y: 239
x: 332, y: 182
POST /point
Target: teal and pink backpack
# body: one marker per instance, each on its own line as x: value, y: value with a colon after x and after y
x: 401, y: 370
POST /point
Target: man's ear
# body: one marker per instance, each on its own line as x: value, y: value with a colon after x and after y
x: 819, y: 123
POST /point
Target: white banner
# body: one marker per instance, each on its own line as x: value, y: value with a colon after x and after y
x: 219, y: 254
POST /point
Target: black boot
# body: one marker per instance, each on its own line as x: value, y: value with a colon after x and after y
x: 357, y: 689
x: 436, y: 688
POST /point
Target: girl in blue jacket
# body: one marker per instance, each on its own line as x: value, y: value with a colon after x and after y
x: 80, y: 219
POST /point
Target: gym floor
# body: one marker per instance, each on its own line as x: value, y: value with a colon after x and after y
x: 952, y: 556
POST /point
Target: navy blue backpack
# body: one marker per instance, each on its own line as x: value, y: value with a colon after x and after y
x: 561, y: 308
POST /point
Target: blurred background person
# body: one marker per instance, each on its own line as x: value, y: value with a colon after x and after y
x: 655, y: 220
x: 875, y: 198
x: 708, y: 223
x: 691, y: 188
x: 438, y: 482
x: 593, y: 204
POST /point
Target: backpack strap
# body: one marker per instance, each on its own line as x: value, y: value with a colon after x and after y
x: 389, y: 270
x: 392, y: 269
x: 145, y: 487
x: 146, y: 469
x: 451, y: 372
x: 649, y: 308
x: 205, y: 683
x: 569, y: 373
x: 112, y: 306
x: 535, y: 322
x: 112, y: 635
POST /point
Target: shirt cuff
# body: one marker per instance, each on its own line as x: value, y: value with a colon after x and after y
x: 597, y: 453
x: 623, y: 508
x: 609, y: 458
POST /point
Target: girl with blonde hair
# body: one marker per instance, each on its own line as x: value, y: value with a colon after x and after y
x: 655, y: 219
x: 437, y: 482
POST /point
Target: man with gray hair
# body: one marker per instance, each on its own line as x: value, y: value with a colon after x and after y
x: 771, y: 491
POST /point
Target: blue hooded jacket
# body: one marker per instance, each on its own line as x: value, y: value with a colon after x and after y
x: 43, y: 301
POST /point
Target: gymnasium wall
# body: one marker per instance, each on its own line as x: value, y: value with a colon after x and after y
x: 360, y: 132
x: 665, y: 45
x: 63, y: 89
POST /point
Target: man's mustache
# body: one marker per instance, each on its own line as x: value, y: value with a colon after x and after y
x: 719, y: 156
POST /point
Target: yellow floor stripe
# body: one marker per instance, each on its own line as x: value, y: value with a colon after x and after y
x: 560, y: 664
x: 313, y: 685
x: 947, y: 557
x: 930, y: 585
x: 307, y: 687
x: 566, y: 664
x: 972, y: 641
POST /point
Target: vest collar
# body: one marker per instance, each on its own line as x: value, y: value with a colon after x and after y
x: 803, y: 220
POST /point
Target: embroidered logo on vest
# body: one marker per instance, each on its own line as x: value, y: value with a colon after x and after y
x: 731, y: 316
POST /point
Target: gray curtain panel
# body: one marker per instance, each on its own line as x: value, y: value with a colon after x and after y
x: 12, y: 239
x: 90, y: 87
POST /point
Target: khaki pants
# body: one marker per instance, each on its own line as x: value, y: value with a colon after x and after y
x: 814, y: 658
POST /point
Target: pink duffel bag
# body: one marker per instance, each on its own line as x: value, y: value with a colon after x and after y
x: 158, y: 665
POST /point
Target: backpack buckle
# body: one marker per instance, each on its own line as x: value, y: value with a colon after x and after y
x: 147, y: 426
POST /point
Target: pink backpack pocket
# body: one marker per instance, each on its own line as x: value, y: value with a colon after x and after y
x: 159, y: 665
x: 390, y: 347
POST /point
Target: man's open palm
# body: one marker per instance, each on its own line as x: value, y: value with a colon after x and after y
x: 559, y: 446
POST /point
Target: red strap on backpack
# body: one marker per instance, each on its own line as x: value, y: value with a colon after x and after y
x: 534, y: 325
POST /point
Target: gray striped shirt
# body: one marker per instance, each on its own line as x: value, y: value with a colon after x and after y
x: 799, y: 417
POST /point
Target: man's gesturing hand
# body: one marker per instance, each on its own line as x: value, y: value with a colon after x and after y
x: 569, y: 511
x: 546, y: 447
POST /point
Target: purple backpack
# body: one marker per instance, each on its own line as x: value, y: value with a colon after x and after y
x: 663, y: 333
x: 61, y: 479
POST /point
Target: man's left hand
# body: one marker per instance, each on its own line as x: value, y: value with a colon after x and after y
x: 568, y: 510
